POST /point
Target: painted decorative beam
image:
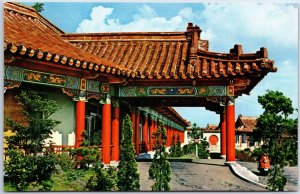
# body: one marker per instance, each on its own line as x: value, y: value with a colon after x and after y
x: 19, y: 74
x: 176, y: 91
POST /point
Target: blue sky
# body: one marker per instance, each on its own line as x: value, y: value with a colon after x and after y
x: 270, y: 25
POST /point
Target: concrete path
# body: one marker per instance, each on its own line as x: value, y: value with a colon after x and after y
x: 291, y: 174
x: 200, y: 175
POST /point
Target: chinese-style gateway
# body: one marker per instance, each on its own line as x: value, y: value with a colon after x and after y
x: 97, y: 77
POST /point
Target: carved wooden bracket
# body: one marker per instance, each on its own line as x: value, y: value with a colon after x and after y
x: 11, y: 84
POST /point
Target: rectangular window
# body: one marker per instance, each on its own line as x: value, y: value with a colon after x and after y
x: 244, y: 138
x: 237, y: 138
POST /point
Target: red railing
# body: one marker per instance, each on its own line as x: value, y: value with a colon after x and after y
x: 65, y: 148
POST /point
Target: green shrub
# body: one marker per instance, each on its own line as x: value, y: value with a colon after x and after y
x: 203, y: 152
x: 74, y: 174
x: 188, y: 149
x: 172, y: 149
x: 178, y: 149
x: 64, y: 160
x: 128, y: 175
x: 104, y: 180
x: 24, y: 170
x: 85, y: 156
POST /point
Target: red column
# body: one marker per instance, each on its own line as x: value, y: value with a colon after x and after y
x: 151, y: 132
x: 106, y: 132
x: 80, y: 122
x: 223, y: 133
x: 133, y: 118
x: 145, y: 132
x: 168, y: 136
x: 230, y: 149
x: 115, y: 133
x: 137, y: 134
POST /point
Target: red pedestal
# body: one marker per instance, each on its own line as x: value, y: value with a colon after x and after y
x: 80, y: 122
x: 116, y: 134
x: 223, y: 133
x: 145, y: 133
x: 230, y: 149
x: 137, y: 134
x: 106, y: 133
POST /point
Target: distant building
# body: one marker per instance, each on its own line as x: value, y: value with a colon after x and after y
x: 244, y: 127
x: 212, y: 135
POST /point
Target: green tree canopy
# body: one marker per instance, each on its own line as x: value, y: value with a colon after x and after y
x: 39, y: 7
x: 276, y: 129
x: 37, y: 110
x: 160, y: 170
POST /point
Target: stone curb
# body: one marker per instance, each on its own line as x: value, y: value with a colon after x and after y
x: 245, y: 174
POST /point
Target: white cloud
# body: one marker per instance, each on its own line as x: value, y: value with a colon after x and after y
x: 146, y: 20
x: 274, y: 24
x: 145, y: 12
x: 98, y: 20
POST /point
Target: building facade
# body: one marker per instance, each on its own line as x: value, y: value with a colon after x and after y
x: 98, y: 77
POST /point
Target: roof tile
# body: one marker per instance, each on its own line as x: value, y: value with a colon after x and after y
x: 150, y: 55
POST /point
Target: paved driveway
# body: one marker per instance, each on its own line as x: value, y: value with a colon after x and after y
x: 291, y: 174
x: 201, y: 175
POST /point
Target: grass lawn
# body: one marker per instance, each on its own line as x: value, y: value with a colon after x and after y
x: 73, y: 180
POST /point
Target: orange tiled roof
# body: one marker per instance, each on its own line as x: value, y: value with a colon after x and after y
x: 245, y: 124
x: 169, y: 55
x: 211, y: 128
x: 27, y: 33
x: 150, y: 55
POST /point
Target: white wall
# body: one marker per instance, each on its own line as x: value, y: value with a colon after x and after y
x: 213, y: 148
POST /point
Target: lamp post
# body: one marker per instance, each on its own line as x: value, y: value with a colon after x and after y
x: 196, y: 142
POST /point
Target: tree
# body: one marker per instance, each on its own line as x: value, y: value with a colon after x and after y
x: 178, y: 149
x: 39, y: 7
x: 160, y: 170
x: 173, y: 147
x: 37, y: 110
x: 128, y: 176
x: 24, y: 167
x: 195, y: 133
x: 272, y: 125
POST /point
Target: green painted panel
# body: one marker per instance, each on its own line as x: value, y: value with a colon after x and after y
x: 66, y: 115
x: 93, y: 86
x: 177, y: 91
x: 13, y: 73
x: 72, y: 82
